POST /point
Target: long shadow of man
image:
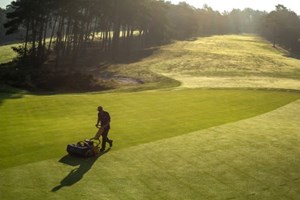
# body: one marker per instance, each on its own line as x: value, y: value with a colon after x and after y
x: 75, y: 175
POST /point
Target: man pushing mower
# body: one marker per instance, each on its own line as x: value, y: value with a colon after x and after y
x: 88, y: 147
x: 103, y: 123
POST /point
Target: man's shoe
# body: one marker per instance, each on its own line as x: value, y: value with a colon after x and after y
x: 110, y: 143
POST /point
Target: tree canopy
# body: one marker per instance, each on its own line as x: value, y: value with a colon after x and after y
x: 282, y: 27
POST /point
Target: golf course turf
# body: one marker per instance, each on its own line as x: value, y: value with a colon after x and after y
x: 172, y: 143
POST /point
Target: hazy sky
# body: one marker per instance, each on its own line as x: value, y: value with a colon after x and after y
x: 228, y: 5
x: 4, y: 3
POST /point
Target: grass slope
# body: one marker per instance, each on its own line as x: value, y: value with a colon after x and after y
x: 255, y: 158
x: 244, y: 61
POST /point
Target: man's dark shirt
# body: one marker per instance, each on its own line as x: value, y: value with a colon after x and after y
x: 104, y: 118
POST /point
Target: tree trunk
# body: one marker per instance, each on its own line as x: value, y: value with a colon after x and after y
x: 33, y: 38
x: 116, y: 27
x: 52, y: 34
x: 26, y: 37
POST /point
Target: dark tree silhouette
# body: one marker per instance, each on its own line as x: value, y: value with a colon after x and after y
x: 282, y: 27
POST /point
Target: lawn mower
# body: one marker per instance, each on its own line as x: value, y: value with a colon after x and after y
x: 86, y: 148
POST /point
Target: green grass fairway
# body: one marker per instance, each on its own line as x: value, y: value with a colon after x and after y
x: 171, y: 142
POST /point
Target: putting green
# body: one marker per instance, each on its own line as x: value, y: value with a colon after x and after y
x: 35, y: 128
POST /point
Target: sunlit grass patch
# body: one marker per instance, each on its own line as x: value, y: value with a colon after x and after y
x: 243, y: 54
x: 236, y: 81
x: 227, y: 57
x: 7, y: 54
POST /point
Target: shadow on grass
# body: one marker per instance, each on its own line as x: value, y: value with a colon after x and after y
x: 292, y: 55
x: 5, y: 95
x: 75, y: 175
x: 6, y: 91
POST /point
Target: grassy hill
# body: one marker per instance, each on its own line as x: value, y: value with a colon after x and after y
x: 170, y: 143
x: 230, y: 61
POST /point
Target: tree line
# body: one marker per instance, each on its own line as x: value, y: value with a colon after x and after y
x: 282, y: 27
x: 66, y: 28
